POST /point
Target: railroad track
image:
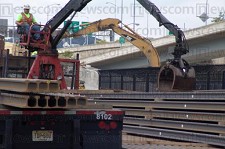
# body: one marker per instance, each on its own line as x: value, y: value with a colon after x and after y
x: 197, y: 117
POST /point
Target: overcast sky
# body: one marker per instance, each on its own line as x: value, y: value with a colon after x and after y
x: 180, y: 12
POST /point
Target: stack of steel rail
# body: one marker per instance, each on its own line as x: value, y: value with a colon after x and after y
x: 37, y: 93
x: 182, y: 116
x: 141, y: 142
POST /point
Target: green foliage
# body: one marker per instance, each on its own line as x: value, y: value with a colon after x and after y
x: 67, y: 54
x: 101, y: 42
x: 220, y: 18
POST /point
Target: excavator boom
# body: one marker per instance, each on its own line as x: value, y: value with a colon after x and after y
x: 143, y: 44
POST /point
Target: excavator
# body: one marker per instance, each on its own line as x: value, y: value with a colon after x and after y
x: 176, y: 75
x: 142, y: 43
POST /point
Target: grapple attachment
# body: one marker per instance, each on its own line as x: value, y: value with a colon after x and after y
x: 176, y: 77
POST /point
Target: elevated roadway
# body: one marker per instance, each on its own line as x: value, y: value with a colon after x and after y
x: 205, y: 43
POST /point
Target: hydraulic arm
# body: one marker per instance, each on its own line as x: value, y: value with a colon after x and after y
x: 176, y: 74
x: 73, y: 6
x: 47, y: 64
x: 143, y: 44
x: 181, y: 47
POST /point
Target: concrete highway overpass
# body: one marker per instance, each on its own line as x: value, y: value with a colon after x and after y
x: 205, y: 43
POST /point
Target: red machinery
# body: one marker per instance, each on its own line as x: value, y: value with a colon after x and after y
x: 47, y: 64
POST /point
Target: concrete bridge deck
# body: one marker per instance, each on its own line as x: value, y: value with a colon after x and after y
x: 205, y: 43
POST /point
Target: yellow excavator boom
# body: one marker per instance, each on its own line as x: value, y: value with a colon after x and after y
x: 142, y: 43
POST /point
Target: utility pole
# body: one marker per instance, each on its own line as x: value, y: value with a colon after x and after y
x: 134, y: 16
x: 121, y: 12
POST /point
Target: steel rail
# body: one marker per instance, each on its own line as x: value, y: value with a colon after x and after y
x: 176, y: 135
x: 177, y: 115
x: 185, y: 126
x: 134, y: 142
x: 159, y: 95
x: 174, y: 118
x: 165, y: 104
